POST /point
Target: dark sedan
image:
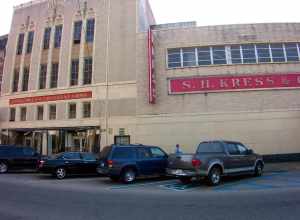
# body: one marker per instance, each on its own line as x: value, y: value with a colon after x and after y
x: 69, y: 163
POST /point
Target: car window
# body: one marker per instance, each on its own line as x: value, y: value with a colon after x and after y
x: 72, y: 156
x: 233, y: 149
x: 87, y: 156
x: 105, y: 152
x: 210, y: 147
x: 144, y: 153
x: 242, y: 149
x: 18, y: 151
x: 123, y: 153
x: 157, y: 153
x: 28, y: 152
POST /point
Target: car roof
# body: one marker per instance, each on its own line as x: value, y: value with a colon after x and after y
x: 220, y: 140
x: 132, y: 145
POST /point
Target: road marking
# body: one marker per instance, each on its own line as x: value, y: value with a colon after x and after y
x: 140, y: 184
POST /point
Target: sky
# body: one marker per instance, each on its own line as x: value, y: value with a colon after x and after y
x: 205, y: 12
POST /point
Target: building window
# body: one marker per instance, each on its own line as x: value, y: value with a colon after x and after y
x: 15, y: 84
x: 12, y: 114
x: 189, y: 57
x: 277, y: 53
x: 88, y: 71
x: 58, y: 34
x: 122, y: 140
x: 20, y: 44
x: 219, y: 55
x: 263, y: 53
x: 77, y: 32
x: 47, y: 35
x: 291, y: 50
x: 30, y: 42
x: 174, y: 58
x: 43, y: 76
x: 52, y: 112
x: 248, y: 51
x: 74, y: 72
x: 40, y: 113
x: 236, y: 55
x: 204, y: 57
x: 72, y: 110
x: 54, y: 75
x: 90, y: 30
x: 86, y: 110
x: 25, y: 79
x: 23, y: 113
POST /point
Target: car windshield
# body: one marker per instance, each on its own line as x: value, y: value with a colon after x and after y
x: 105, y: 152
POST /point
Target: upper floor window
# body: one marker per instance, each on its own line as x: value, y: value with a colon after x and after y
x: 30, y: 42
x: 47, y: 35
x: 72, y: 110
x: 40, y: 113
x: 234, y: 54
x: 15, y: 83
x: 25, y: 80
x: 77, y: 32
x: 90, y: 30
x: 43, y: 76
x: 88, y: 71
x: 23, y: 113
x: 52, y: 112
x: 20, y: 44
x: 86, y: 110
x: 74, y: 72
x: 12, y: 114
x: 58, y: 34
x: 54, y: 75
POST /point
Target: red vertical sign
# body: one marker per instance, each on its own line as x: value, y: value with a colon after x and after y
x: 151, y: 70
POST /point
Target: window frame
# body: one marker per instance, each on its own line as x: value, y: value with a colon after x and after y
x: 54, y: 76
x: 77, y: 32
x: 30, y: 40
x: 72, y: 113
x: 20, y: 43
x: 47, y: 38
x: 23, y: 113
x: 25, y: 79
x: 90, y: 30
x: 43, y: 84
x: 38, y: 112
x: 58, y: 36
x: 84, y: 110
x: 50, y: 114
x: 88, y: 71
x: 15, y: 81
x: 74, y: 76
x: 12, y: 112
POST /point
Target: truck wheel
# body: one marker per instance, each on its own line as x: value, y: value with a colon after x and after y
x: 259, y: 169
x: 214, y: 176
x: 128, y: 175
x: 3, y: 167
x: 60, y: 173
x: 185, y: 180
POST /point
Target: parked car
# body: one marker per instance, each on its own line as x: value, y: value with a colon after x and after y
x: 128, y: 162
x: 16, y: 158
x: 214, y: 159
x: 69, y: 163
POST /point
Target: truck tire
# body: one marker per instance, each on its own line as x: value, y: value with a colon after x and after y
x: 3, y: 167
x: 214, y: 176
x: 128, y: 175
x: 185, y: 180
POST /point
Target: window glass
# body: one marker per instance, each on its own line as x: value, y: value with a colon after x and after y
x: 88, y: 71
x: 12, y: 114
x: 123, y: 153
x: 242, y: 149
x: 157, y: 153
x: 18, y: 151
x: 43, y: 76
x: 232, y: 149
x: 20, y: 44
x: 28, y: 152
x: 40, y: 113
x: 15, y: 84
x: 277, y: 52
x: 72, y: 156
x: 88, y: 156
x: 236, y: 57
x: 248, y: 51
x: 23, y: 113
x: 263, y: 53
x: 25, y: 79
x: 30, y: 42
x: 72, y: 111
x: 54, y: 75
x: 105, y: 152
x: 291, y: 52
x: 86, y: 109
x: 77, y: 32
x: 219, y: 55
x: 143, y: 153
x: 210, y: 147
x: 204, y: 57
x: 174, y: 58
x: 189, y: 57
x: 90, y: 30
x: 58, y: 34
x: 46, y: 42
x: 74, y: 72
x: 52, y: 112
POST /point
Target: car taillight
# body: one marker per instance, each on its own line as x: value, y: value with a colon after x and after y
x: 110, y: 163
x: 196, y: 163
x: 41, y: 163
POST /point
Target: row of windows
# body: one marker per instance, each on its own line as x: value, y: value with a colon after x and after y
x: 89, y: 34
x: 29, y: 44
x: 57, y: 37
x: 233, y: 54
x: 87, y: 75
x: 52, y: 114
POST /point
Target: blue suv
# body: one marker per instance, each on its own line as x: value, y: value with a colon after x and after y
x: 127, y: 162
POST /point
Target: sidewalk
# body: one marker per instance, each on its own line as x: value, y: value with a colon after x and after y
x: 285, y: 166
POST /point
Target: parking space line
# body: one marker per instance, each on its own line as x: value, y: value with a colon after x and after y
x: 141, y: 184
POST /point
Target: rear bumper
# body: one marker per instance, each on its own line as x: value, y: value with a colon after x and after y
x: 185, y: 173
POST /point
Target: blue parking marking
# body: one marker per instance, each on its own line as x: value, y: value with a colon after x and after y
x: 140, y: 184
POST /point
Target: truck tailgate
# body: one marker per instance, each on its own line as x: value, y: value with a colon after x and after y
x: 180, y: 161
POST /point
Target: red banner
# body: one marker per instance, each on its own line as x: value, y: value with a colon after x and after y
x: 151, y: 71
x: 51, y: 98
x: 205, y: 84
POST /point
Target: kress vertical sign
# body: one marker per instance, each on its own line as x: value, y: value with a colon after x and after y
x: 151, y: 69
